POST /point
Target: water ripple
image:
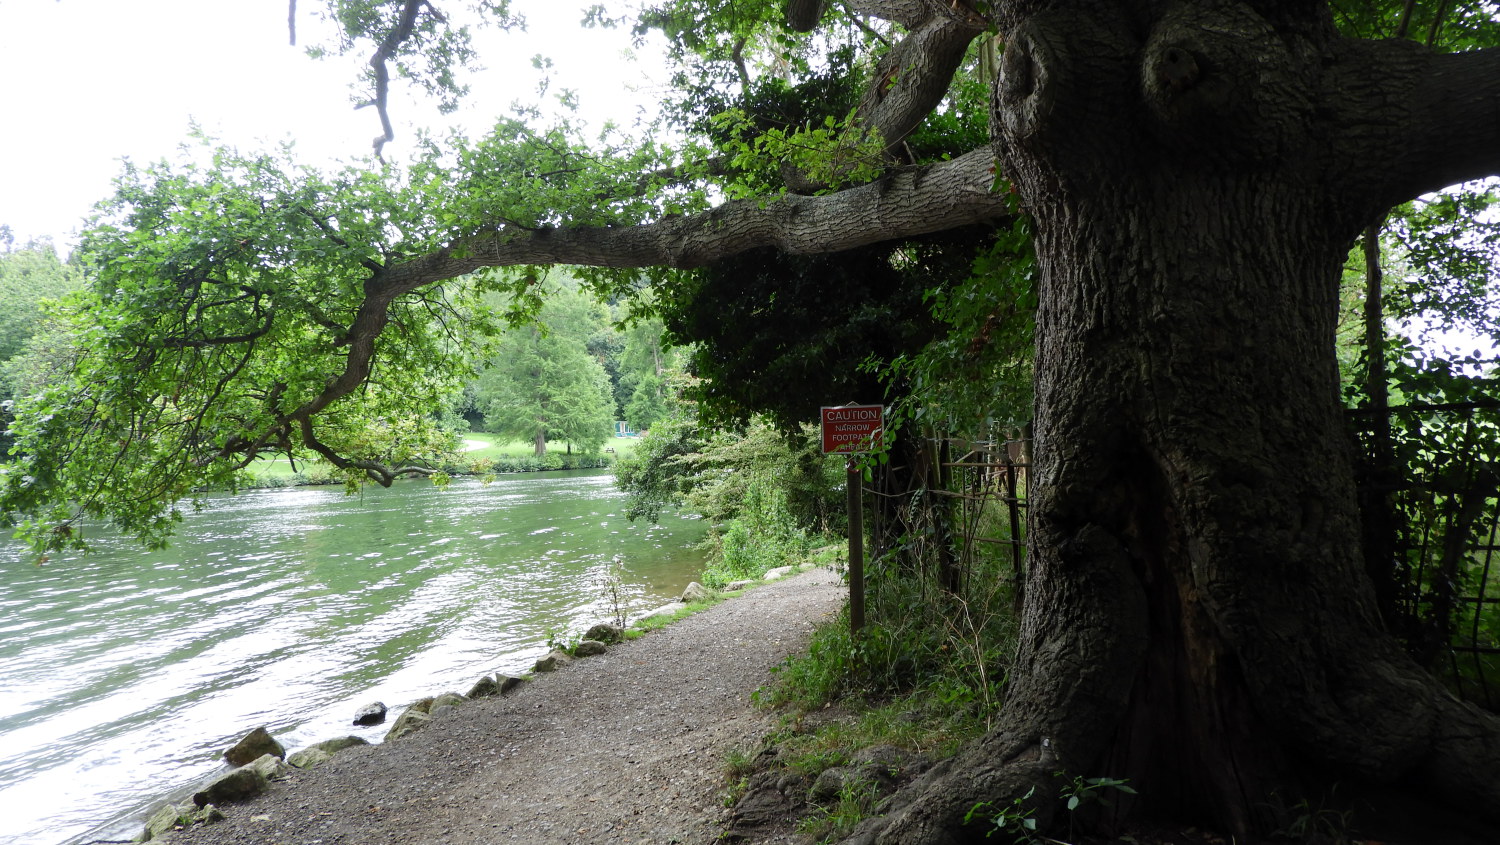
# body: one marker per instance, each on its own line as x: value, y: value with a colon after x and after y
x: 123, y: 674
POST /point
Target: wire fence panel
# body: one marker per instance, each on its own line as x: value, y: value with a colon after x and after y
x: 1429, y: 480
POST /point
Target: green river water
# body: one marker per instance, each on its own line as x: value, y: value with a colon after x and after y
x: 124, y: 674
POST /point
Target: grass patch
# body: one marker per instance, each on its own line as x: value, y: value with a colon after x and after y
x: 925, y: 675
x: 658, y: 621
x: 830, y: 823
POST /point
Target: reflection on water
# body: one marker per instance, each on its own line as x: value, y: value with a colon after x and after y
x: 124, y: 674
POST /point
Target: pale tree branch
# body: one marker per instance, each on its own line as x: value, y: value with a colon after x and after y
x: 383, y: 54
x: 908, y: 202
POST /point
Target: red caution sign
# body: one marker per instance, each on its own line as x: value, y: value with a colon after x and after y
x: 850, y: 429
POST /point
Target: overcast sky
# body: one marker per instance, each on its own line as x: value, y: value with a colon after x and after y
x: 87, y: 82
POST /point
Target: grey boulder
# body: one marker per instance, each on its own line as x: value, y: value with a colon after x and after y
x: 255, y: 744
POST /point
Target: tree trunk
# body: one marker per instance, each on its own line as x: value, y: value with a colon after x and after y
x: 539, y: 443
x: 1197, y: 615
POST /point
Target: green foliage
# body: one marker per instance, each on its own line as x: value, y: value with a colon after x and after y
x: 1446, y: 459
x: 763, y: 535
x: 713, y: 474
x: 30, y: 277
x: 735, y: 465
x: 663, y: 469
x: 976, y: 372
x: 835, y: 151
x: 648, y: 404
x: 1439, y: 464
x: 855, y: 802
x: 1320, y: 821
x: 219, y: 296
x: 1463, y: 25
x: 1018, y: 819
x: 781, y: 335
x: 240, y: 305
x: 1447, y: 249
x: 649, y: 372
x: 951, y: 648
x: 542, y: 383
x: 535, y: 463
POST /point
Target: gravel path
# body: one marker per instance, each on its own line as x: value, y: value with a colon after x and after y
x: 627, y: 747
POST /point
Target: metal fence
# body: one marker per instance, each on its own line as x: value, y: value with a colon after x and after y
x: 1430, y: 490
x: 951, y: 516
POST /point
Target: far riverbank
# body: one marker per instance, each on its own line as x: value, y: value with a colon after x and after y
x: 482, y: 455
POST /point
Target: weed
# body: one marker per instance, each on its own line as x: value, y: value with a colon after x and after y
x: 738, y: 763
x: 1016, y: 819
x: 559, y: 640
x: 1080, y: 791
x: 856, y: 800
x: 1309, y: 821
x: 611, y: 583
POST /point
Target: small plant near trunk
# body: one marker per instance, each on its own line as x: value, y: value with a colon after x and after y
x: 1018, y: 818
x: 855, y: 801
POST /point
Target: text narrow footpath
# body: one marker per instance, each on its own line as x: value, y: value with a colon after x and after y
x: 850, y: 429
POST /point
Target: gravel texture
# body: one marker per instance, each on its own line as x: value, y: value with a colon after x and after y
x: 626, y: 747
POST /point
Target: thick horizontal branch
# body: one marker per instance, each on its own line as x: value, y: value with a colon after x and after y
x: 1413, y: 121
x: 909, y: 202
x: 907, y: 13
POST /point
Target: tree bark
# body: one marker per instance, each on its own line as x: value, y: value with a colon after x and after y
x: 803, y: 15
x: 1197, y: 616
x: 910, y: 201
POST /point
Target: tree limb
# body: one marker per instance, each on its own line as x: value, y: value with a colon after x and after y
x: 383, y: 54
x: 1413, y: 121
x: 913, y: 77
x: 803, y: 15
x: 908, y: 202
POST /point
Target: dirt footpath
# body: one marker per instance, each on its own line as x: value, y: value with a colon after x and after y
x: 626, y: 747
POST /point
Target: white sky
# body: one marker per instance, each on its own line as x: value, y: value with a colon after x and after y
x: 84, y: 83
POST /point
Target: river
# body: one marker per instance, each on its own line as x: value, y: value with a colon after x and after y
x: 124, y: 674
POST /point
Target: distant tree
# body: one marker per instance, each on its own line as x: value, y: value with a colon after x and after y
x: 543, y: 384
x: 648, y: 403
x: 643, y: 390
x: 29, y: 277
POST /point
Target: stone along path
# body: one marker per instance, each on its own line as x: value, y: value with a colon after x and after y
x: 626, y: 747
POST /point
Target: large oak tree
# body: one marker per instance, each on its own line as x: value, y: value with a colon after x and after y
x: 1197, y: 617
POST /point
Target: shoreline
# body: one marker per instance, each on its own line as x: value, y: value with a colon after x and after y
x: 550, y: 692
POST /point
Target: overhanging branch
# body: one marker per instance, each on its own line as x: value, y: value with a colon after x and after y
x: 908, y: 202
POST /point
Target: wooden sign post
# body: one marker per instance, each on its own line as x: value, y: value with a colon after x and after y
x: 854, y: 430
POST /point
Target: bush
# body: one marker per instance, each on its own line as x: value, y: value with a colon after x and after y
x: 953, y: 648
x: 762, y: 537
